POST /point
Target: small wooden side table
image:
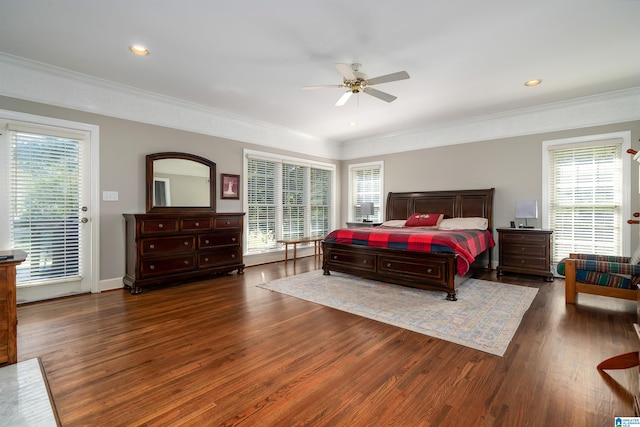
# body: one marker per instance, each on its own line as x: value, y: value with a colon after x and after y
x: 295, y: 241
x: 8, y: 310
x: 525, y: 250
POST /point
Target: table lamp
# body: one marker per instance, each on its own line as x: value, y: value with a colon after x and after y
x: 527, y: 209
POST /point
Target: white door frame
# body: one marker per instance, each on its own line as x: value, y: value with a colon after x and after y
x: 93, y: 269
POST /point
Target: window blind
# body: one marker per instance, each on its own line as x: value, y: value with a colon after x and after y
x: 366, y: 186
x: 286, y: 199
x: 585, y: 192
x: 45, y: 199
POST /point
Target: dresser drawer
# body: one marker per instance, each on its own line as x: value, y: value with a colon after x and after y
x: 358, y: 261
x: 525, y: 250
x: 524, y: 237
x: 167, y: 245
x: 195, y: 224
x: 154, y: 226
x: 169, y: 265
x: 211, y: 240
x: 433, y: 270
x: 223, y: 222
x: 524, y: 262
x: 219, y: 257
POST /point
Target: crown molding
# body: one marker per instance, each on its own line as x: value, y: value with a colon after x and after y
x: 613, y: 107
x: 38, y: 82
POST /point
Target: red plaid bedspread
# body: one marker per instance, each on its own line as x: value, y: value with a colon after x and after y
x: 467, y: 244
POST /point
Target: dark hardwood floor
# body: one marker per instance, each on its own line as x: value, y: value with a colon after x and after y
x: 225, y: 352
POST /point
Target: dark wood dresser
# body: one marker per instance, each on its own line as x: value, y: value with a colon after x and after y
x: 164, y: 248
x: 8, y: 310
x: 525, y: 250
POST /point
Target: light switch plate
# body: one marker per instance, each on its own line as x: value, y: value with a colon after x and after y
x: 110, y: 196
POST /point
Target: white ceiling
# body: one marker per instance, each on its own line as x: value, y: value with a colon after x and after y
x: 466, y: 58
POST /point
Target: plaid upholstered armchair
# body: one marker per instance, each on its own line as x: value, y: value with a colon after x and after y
x: 612, y: 276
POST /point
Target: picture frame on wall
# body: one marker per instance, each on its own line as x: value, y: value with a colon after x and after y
x: 229, y: 186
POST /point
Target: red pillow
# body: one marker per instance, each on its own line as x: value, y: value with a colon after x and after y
x: 424, y: 220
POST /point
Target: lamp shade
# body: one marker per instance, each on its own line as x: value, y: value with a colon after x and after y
x: 527, y: 209
x: 366, y: 208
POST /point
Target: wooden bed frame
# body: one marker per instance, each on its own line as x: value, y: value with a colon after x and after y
x: 432, y: 271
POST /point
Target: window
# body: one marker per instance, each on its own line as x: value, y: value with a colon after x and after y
x: 366, y: 186
x: 286, y: 198
x: 585, y: 195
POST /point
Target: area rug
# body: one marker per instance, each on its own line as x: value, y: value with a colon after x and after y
x: 485, y: 317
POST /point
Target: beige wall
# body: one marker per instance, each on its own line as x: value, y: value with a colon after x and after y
x: 123, y: 147
x: 512, y: 165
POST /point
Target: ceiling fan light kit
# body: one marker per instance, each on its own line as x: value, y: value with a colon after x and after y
x: 356, y: 81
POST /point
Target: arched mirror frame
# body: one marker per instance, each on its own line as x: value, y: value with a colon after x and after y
x: 174, y: 209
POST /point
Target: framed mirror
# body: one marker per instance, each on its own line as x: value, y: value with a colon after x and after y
x: 180, y: 182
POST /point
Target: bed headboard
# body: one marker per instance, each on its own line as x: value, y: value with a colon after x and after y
x: 453, y: 204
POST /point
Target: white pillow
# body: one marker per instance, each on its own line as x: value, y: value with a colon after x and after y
x: 394, y: 223
x: 472, y: 223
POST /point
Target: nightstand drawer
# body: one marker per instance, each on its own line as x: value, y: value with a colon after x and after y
x: 526, y: 249
x: 523, y: 262
x: 524, y: 237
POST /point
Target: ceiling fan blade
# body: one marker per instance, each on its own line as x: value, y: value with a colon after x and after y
x: 400, y: 75
x: 344, y: 98
x: 346, y: 71
x: 379, y: 94
x: 322, y: 86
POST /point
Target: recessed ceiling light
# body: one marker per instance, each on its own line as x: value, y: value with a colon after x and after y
x: 352, y: 124
x: 535, y: 82
x: 139, y: 50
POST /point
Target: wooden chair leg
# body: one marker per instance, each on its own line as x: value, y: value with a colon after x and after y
x: 569, y: 282
x: 621, y: 361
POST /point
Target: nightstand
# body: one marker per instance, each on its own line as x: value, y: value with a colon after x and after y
x: 362, y: 224
x: 525, y: 250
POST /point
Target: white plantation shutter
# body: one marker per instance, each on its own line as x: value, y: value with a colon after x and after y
x: 321, y: 202
x: 286, y: 199
x: 263, y: 178
x: 585, y: 199
x: 45, y: 201
x: 366, y: 186
x: 293, y: 200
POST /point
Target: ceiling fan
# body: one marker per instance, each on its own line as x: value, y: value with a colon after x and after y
x: 356, y: 81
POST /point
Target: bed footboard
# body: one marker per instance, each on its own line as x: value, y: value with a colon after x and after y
x: 431, y: 271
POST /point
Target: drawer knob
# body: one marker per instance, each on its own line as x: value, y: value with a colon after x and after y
x: 186, y: 243
x: 428, y: 270
x: 233, y: 239
x: 207, y: 241
x: 521, y: 261
x: 152, y: 246
x: 186, y: 262
x: 206, y: 260
x: 335, y: 257
x: 228, y: 222
x: 388, y: 265
x: 365, y: 261
x: 233, y: 255
x: 152, y: 267
x: 160, y: 225
x: 197, y: 224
